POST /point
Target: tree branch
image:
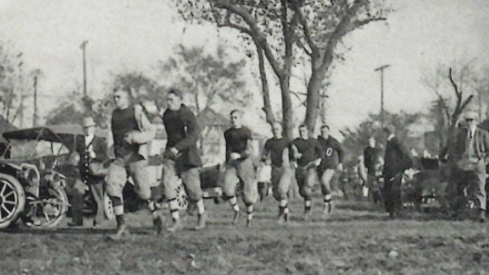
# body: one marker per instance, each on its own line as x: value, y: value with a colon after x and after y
x: 306, y: 30
x: 466, y: 102
x: 341, y: 29
x: 359, y: 23
x: 299, y: 98
x: 256, y: 33
x: 228, y: 23
x: 455, y: 86
x: 303, y: 47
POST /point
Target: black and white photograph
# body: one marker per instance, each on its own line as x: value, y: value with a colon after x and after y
x: 244, y: 137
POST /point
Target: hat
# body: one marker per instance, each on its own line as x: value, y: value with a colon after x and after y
x: 390, y: 128
x: 88, y: 122
x: 471, y: 115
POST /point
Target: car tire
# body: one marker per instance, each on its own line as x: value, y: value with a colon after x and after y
x: 182, y: 198
x: 57, y: 210
x: 12, y: 200
x: 108, y: 207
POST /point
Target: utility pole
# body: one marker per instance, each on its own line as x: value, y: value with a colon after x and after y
x: 83, y: 47
x: 34, y: 119
x: 381, y: 69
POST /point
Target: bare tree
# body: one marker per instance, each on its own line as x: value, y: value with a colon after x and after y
x: 282, y: 30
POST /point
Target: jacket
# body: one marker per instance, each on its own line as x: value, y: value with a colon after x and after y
x: 183, y: 132
x: 481, y: 144
x: 397, y: 158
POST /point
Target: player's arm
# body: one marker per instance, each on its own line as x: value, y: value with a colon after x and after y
x: 485, y: 140
x: 192, y: 132
x: 110, y: 143
x: 318, y: 148
x: 249, y: 145
x: 286, y: 157
x: 295, y: 152
x: 228, y: 146
x: 265, y: 154
x: 146, y: 130
x: 341, y: 154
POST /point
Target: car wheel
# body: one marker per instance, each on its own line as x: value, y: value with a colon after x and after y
x: 108, y: 207
x: 182, y: 198
x: 12, y: 200
x: 50, y: 211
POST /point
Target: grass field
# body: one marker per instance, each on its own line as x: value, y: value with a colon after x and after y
x: 356, y: 239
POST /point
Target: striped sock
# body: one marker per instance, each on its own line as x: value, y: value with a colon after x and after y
x: 249, y: 212
x: 327, y: 199
x: 307, y: 205
x: 151, y: 207
x: 234, y: 203
x: 200, y: 206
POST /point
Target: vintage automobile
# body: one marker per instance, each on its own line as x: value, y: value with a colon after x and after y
x: 31, y: 186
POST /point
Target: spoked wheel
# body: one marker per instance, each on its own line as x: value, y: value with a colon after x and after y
x: 108, y: 207
x: 48, y: 211
x: 12, y: 200
x: 182, y: 198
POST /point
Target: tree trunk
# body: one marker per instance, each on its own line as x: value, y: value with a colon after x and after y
x: 287, y: 112
x: 313, y: 99
x: 267, y: 106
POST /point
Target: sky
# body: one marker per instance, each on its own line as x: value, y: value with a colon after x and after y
x: 131, y: 35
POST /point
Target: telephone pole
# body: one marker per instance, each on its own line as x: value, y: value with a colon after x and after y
x: 381, y: 69
x: 34, y: 119
x: 83, y: 47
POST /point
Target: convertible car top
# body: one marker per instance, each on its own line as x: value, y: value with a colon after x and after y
x: 54, y: 133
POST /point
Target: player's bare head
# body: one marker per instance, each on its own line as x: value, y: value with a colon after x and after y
x: 371, y: 141
x: 236, y: 116
x: 122, y: 96
x: 303, y: 131
x: 277, y: 129
x: 325, y: 131
x: 88, y: 125
x: 174, y: 99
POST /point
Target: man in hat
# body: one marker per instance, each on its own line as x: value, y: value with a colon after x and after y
x: 396, y: 160
x: 92, y: 153
x: 182, y: 158
x: 471, y: 148
x: 131, y: 132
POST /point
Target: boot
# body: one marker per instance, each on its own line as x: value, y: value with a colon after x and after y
x: 75, y: 224
x: 482, y: 215
x: 158, y: 224
x: 236, y: 216
x: 122, y: 230
x: 177, y: 224
x: 202, y: 221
